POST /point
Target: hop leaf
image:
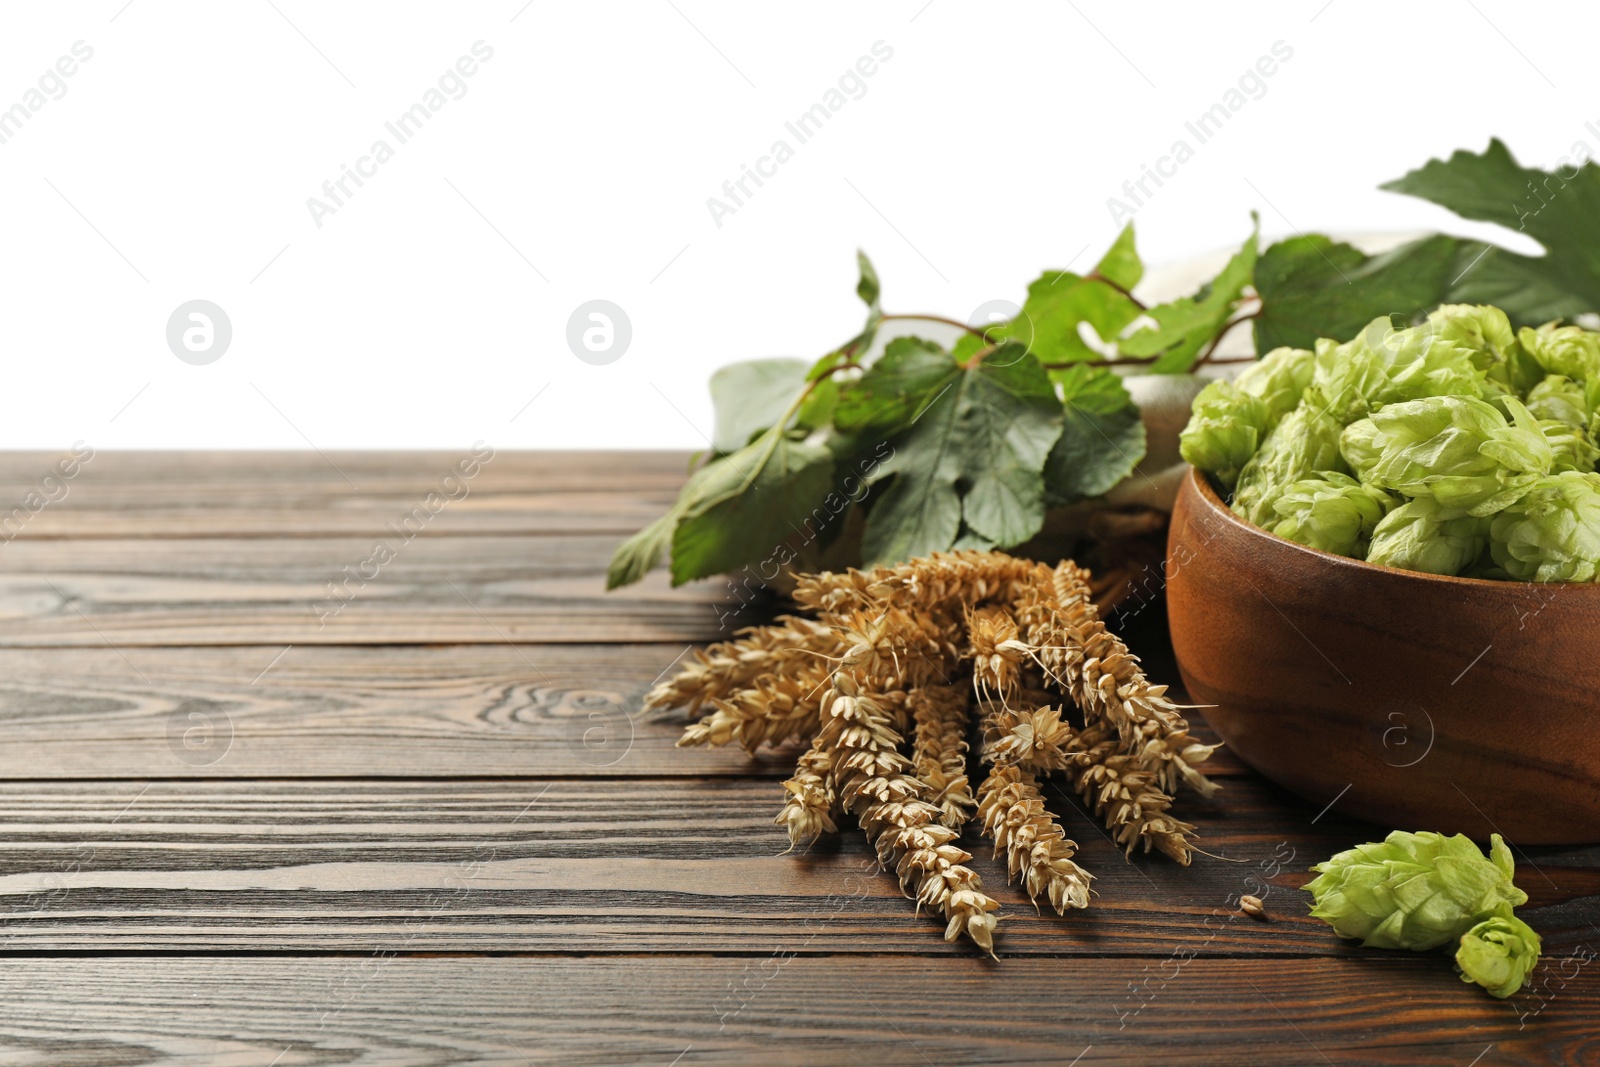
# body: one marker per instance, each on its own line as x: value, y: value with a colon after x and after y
x: 1331, y: 511
x: 1414, y: 890
x: 1419, y: 535
x: 1457, y: 451
x: 1498, y: 954
x: 1553, y: 533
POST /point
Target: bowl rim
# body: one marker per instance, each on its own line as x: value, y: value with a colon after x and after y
x: 1206, y: 492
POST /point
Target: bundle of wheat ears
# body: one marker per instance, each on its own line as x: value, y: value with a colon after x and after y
x: 923, y: 649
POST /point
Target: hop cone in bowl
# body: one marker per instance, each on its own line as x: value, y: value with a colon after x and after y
x: 1331, y: 511
x: 1568, y: 350
x: 1414, y: 890
x: 1420, y: 535
x: 1552, y: 534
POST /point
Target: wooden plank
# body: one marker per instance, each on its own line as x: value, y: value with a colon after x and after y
x: 334, y: 710
x: 622, y: 866
x: 446, y: 589
x: 319, y: 710
x: 303, y: 494
x: 774, y: 1010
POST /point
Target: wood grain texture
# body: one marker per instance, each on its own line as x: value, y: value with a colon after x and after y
x: 317, y: 710
x: 775, y: 1010
x: 641, y: 865
x: 335, y: 710
x: 302, y: 494
x: 446, y: 589
x: 454, y: 763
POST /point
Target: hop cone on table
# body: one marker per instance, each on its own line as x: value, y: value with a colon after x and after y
x: 1414, y: 890
x: 1498, y: 954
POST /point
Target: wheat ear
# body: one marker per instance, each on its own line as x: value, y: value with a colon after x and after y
x: 873, y: 784
x: 1126, y: 796
x: 811, y: 800
x: 939, y: 751
x: 722, y: 669
x: 1038, y: 853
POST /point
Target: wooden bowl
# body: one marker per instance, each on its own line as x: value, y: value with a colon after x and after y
x: 1416, y: 701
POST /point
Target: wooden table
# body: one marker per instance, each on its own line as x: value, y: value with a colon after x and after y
x: 264, y: 800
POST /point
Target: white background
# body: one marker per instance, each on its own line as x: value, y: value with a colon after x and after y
x: 179, y: 161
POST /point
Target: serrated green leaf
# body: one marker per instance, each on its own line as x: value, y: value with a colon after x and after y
x: 1102, y: 437
x: 894, y: 389
x: 742, y: 507
x: 867, y: 288
x: 1121, y: 263
x: 1312, y: 286
x: 1185, y: 326
x: 1559, y: 210
x: 1058, y: 301
x: 973, y: 455
x: 751, y: 396
x: 639, y: 554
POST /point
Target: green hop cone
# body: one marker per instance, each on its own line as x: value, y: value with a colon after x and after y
x: 1571, y: 449
x: 1358, y: 446
x: 1278, y: 379
x: 1331, y: 511
x: 1552, y: 534
x: 1224, y: 430
x: 1569, y: 350
x: 1498, y: 954
x: 1458, y: 451
x: 1384, y: 365
x: 1414, y: 890
x: 1421, y: 535
x: 1559, y: 397
x: 1491, y: 344
x: 1305, y: 443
